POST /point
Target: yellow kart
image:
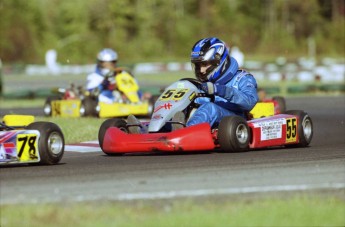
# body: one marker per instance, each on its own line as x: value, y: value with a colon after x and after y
x: 78, y: 103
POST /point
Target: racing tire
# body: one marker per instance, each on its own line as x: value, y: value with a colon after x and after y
x: 112, y: 122
x: 281, y: 103
x: 304, y: 127
x: 88, y: 107
x: 51, y: 144
x: 234, y: 134
x: 47, y: 108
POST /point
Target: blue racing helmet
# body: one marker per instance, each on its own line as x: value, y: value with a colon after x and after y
x: 210, y: 51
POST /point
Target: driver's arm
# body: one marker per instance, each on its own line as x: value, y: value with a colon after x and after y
x: 244, y: 96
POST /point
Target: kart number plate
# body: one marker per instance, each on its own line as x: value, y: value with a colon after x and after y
x: 27, y: 147
x: 173, y: 94
x: 291, y: 130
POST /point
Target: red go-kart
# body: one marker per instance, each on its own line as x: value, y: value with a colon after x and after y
x: 234, y: 133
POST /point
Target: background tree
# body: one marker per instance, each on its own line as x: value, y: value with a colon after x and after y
x: 159, y: 30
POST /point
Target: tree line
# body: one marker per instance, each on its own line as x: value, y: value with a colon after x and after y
x: 151, y: 30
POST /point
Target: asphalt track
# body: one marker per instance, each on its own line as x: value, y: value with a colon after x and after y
x: 87, y: 176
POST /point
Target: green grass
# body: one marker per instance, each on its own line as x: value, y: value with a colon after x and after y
x: 76, y: 129
x: 297, y: 210
x: 22, y: 103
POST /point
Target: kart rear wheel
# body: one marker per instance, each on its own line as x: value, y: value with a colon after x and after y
x: 88, y: 107
x: 281, y: 103
x: 305, y: 128
x: 51, y: 144
x: 47, y: 108
x: 112, y: 122
x: 233, y: 134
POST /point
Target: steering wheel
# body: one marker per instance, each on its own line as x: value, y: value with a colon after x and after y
x: 194, y: 81
x: 197, y: 83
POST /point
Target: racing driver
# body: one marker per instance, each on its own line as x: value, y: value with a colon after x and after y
x: 235, y: 90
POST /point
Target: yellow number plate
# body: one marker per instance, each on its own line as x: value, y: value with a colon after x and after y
x: 27, y: 147
x: 291, y: 130
x: 173, y: 94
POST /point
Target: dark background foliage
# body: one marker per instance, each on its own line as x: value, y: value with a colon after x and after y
x: 152, y: 30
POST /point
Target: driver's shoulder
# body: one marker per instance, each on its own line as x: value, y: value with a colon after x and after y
x: 243, y: 75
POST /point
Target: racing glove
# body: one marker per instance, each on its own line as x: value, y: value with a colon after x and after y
x: 105, y: 84
x: 213, y: 89
x: 109, y: 83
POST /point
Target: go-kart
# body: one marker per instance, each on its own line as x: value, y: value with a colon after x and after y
x: 24, y: 141
x: 261, y: 129
x: 76, y: 102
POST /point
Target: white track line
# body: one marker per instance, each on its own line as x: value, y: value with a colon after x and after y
x: 244, y: 190
x: 83, y: 147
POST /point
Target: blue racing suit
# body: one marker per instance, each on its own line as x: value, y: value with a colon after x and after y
x: 105, y: 87
x: 237, y: 96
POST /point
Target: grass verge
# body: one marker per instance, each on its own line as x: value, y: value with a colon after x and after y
x: 76, y: 130
x: 295, y: 210
x: 22, y: 103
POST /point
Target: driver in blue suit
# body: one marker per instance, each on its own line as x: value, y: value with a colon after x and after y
x: 235, y: 89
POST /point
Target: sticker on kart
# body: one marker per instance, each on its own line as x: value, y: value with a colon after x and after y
x: 166, y: 106
x: 173, y: 94
x: 271, y: 129
x: 21, y: 146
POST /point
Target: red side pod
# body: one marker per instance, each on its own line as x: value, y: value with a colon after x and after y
x: 272, y: 131
x: 193, y: 138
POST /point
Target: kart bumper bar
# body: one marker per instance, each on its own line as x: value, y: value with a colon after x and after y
x: 193, y: 138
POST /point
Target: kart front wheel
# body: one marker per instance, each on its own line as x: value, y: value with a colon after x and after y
x: 304, y: 127
x: 233, y: 134
x: 51, y: 144
x: 112, y: 122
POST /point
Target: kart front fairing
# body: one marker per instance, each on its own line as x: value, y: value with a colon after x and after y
x: 193, y: 138
x: 179, y: 96
x: 234, y: 133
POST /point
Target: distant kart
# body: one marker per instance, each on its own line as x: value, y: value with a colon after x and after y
x: 79, y: 103
x: 262, y: 128
x: 24, y: 141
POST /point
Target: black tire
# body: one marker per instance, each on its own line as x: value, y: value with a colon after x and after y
x: 51, y: 143
x: 281, y: 103
x: 47, y: 108
x: 88, y: 107
x: 234, y: 134
x: 304, y: 127
x: 112, y: 122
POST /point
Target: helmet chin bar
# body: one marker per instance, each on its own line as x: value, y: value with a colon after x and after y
x: 196, y: 65
x: 206, y: 76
